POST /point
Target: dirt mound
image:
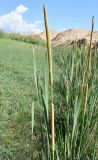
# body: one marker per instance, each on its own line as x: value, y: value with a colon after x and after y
x: 53, y: 34
x: 67, y: 36
x: 70, y: 36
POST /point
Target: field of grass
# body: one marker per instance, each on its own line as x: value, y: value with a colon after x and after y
x: 18, y: 92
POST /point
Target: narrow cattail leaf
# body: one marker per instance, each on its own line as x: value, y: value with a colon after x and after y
x: 32, y: 111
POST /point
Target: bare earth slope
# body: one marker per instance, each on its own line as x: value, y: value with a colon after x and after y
x: 67, y: 36
x: 53, y: 34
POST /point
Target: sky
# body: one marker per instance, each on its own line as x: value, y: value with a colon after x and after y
x: 27, y: 15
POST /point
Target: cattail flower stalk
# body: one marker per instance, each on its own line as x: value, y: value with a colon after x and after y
x: 50, y: 79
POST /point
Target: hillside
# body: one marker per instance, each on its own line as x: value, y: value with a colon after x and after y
x: 71, y: 35
x: 67, y: 36
x: 53, y: 34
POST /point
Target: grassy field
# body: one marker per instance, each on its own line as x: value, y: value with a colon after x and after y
x: 18, y: 92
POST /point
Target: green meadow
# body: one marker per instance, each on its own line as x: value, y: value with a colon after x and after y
x: 23, y: 81
x: 17, y: 92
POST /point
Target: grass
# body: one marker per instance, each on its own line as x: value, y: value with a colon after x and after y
x: 74, y: 135
x: 17, y: 92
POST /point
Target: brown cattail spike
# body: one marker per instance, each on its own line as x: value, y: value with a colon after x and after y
x: 48, y: 46
x: 91, y: 37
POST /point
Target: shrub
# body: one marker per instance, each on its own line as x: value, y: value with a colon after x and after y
x: 27, y: 38
x: 2, y: 34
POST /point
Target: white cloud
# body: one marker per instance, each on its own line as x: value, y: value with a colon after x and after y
x: 21, y: 9
x: 14, y: 21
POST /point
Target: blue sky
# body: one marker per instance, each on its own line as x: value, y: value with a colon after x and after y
x: 63, y: 14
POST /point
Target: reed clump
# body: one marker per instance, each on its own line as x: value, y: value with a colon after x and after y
x: 71, y: 86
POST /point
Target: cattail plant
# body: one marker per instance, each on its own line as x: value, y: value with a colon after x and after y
x: 73, y: 134
x: 32, y: 111
x: 50, y: 77
x: 48, y: 46
x: 90, y: 46
x: 52, y: 129
x: 85, y: 102
x: 88, y: 58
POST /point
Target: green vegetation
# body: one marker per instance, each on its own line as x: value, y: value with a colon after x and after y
x: 75, y: 133
x: 2, y: 34
x: 76, y: 110
x: 17, y: 92
x: 33, y: 39
x: 27, y: 38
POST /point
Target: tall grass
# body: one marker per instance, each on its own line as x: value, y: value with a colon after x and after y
x: 74, y: 95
